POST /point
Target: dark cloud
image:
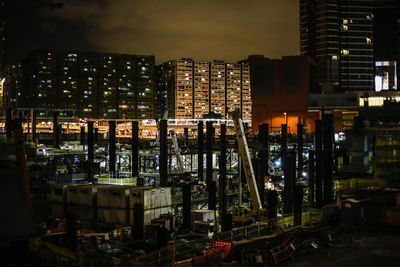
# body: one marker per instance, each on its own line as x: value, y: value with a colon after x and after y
x: 206, y: 29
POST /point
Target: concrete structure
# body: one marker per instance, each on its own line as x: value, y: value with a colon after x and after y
x: 197, y: 88
x: 88, y: 85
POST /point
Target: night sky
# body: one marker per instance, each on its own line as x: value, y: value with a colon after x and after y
x: 206, y: 29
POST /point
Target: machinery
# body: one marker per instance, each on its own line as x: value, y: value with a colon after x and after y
x: 177, y: 151
x: 248, y: 169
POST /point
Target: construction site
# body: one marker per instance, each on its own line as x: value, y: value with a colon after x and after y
x: 201, y: 192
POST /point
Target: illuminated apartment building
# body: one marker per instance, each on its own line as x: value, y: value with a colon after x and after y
x: 89, y: 85
x: 195, y: 89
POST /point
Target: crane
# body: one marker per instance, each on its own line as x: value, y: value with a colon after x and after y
x: 244, y: 153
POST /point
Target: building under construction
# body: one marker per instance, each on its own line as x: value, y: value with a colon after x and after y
x: 183, y: 192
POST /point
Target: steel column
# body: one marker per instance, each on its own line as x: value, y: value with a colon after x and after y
x: 111, y: 146
x: 96, y: 135
x: 318, y: 163
x: 34, y: 126
x: 328, y: 157
x: 299, y: 150
x: 83, y: 137
x: 90, y: 149
x: 222, y: 173
x: 135, y: 152
x: 186, y: 135
x: 200, y: 151
x: 211, y: 185
x: 187, y: 206
x: 56, y: 132
x: 8, y: 123
x: 163, y: 153
x: 209, y: 145
x: 311, y: 177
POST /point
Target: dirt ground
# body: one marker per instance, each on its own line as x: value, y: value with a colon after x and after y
x: 368, y: 247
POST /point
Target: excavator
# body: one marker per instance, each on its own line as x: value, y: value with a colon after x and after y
x: 242, y: 216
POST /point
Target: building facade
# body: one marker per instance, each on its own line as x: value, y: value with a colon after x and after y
x: 339, y: 35
x: 89, y: 85
x: 196, y: 89
x: 280, y: 91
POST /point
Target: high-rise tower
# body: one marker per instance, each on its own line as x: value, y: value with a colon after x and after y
x: 338, y: 34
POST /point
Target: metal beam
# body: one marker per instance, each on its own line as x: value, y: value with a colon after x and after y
x: 246, y: 161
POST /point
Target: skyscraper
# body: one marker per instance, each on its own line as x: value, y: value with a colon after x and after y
x: 338, y: 34
x: 197, y: 88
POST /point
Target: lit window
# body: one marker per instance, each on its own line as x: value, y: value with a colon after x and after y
x: 368, y: 40
x: 345, y: 52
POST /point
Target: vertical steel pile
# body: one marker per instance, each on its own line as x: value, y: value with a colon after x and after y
x: 318, y: 163
x: 211, y: 186
x: 262, y: 161
x: 96, y: 136
x: 297, y: 207
x: 286, y: 170
x: 34, y: 126
x: 90, y: 149
x: 163, y: 153
x: 311, y: 177
x: 291, y: 165
x: 272, y: 204
x: 299, y: 149
x: 222, y: 175
x: 82, y: 137
x: 111, y: 146
x: 56, y: 130
x: 200, y: 151
x: 8, y: 123
x: 186, y: 135
x: 327, y: 169
x: 187, y: 206
x: 135, y: 152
